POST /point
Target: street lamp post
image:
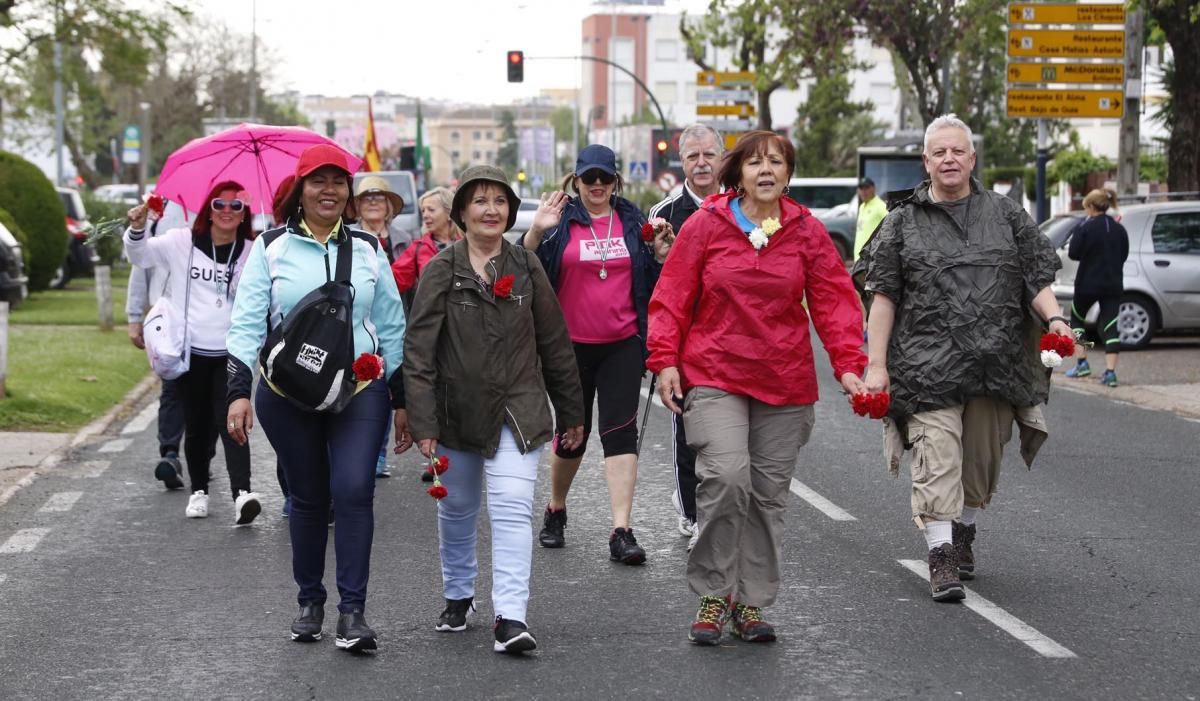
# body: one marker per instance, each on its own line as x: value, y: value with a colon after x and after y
x: 144, y: 149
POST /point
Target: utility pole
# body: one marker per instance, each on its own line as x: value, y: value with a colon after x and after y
x: 1128, y: 149
x: 59, y: 110
x: 1043, y: 155
x: 253, y: 60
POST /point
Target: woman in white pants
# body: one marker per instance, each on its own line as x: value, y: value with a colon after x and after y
x: 486, y: 342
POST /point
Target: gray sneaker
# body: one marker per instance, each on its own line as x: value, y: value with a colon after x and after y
x: 169, y: 471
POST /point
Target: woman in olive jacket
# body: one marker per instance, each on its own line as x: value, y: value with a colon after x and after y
x: 486, y: 343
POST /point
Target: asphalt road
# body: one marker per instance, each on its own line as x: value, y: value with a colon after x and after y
x: 1088, y: 563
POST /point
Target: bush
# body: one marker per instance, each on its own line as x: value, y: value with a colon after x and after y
x: 31, y: 199
x: 10, y: 223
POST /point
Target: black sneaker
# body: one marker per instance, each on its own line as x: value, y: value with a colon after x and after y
x: 513, y: 637
x: 353, y: 633
x: 624, y: 548
x: 552, y: 528
x: 454, y: 618
x: 307, y: 626
x: 169, y: 471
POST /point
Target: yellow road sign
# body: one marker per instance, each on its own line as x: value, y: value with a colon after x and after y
x: 1061, y: 13
x: 1066, y: 43
x: 1066, y: 103
x: 1073, y: 73
x: 738, y: 110
x: 725, y: 77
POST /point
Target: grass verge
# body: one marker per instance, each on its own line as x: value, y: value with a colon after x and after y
x: 75, y: 304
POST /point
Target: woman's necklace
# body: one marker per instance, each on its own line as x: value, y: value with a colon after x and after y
x: 222, y: 282
x: 604, y: 248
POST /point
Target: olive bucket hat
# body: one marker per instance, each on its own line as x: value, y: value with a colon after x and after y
x: 476, y: 175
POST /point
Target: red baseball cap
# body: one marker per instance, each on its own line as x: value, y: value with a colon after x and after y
x: 321, y: 155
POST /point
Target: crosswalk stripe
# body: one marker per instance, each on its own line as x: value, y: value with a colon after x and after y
x: 62, y: 501
x: 116, y: 445
x: 142, y: 421
x: 93, y: 468
x: 1000, y: 618
x: 23, y: 540
x: 819, y: 502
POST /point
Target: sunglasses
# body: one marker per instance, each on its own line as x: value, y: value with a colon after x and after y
x: 373, y: 197
x: 596, y: 175
x: 219, y: 205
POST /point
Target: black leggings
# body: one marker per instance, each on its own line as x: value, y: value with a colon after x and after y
x: 1106, y: 323
x: 614, y: 371
x: 201, y: 390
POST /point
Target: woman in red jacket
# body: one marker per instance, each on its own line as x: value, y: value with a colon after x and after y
x: 729, y: 334
x: 440, y: 232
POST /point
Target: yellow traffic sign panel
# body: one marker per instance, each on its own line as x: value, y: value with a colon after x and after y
x: 737, y: 110
x: 1064, y: 13
x: 1066, y: 43
x: 725, y: 77
x: 1073, y: 73
x: 1066, y: 104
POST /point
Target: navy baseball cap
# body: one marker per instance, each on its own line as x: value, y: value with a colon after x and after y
x: 866, y: 182
x: 596, y: 157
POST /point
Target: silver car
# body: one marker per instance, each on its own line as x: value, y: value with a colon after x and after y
x: 1162, y: 273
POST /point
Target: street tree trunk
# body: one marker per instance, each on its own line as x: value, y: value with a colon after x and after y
x: 1183, y: 147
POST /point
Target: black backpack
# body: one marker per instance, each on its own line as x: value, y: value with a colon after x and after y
x: 308, y: 357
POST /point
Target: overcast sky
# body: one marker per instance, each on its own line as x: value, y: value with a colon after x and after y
x: 451, y: 49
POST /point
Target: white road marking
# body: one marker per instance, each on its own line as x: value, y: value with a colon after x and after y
x: 23, y: 540
x: 1000, y: 618
x: 2, y: 578
x: 140, y: 422
x: 116, y: 445
x: 819, y: 502
x: 657, y: 401
x: 93, y: 468
x: 62, y: 501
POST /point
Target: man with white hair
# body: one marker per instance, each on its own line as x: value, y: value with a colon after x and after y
x: 701, y: 149
x: 960, y: 279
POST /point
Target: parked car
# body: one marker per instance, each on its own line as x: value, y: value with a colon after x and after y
x: 81, y: 256
x: 524, y: 220
x: 822, y: 194
x: 14, y: 285
x: 406, y: 226
x: 1162, y: 273
x: 126, y: 194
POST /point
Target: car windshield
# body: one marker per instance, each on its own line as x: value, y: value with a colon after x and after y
x: 821, y: 196
x: 1058, y: 229
x: 399, y: 183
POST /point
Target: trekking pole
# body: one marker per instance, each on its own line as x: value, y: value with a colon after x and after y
x: 646, y: 412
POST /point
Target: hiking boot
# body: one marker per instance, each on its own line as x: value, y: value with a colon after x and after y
x: 964, y: 535
x: 454, y: 618
x: 624, y: 548
x: 307, y: 626
x: 552, y: 528
x: 1081, y: 369
x: 1109, y: 378
x: 748, y: 624
x: 944, y: 584
x: 353, y: 633
x: 169, y: 471
x: 513, y: 637
x: 710, y: 620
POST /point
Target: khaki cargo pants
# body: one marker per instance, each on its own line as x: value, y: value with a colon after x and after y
x: 745, y: 456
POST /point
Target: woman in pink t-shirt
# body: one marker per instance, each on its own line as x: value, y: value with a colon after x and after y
x: 592, y: 249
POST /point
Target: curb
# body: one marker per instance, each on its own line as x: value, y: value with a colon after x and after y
x: 1148, y: 397
x: 88, y: 432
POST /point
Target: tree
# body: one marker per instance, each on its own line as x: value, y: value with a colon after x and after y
x: 782, y: 42
x: 830, y: 128
x: 1179, y: 22
x: 508, y: 154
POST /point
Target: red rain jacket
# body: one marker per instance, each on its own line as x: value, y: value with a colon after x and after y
x: 412, y: 261
x: 733, y: 318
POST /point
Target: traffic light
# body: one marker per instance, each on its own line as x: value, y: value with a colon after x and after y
x: 660, y: 153
x: 516, y: 66
x: 521, y: 176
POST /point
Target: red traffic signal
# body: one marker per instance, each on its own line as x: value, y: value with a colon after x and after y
x: 516, y: 66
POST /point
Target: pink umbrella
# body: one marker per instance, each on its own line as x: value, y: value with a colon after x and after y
x: 258, y: 156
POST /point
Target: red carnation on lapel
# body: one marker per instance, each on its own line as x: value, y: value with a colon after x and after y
x: 503, y: 286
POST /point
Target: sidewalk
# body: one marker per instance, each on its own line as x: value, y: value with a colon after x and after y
x: 1182, y: 399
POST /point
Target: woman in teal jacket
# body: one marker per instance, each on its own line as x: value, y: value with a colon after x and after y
x: 328, y: 458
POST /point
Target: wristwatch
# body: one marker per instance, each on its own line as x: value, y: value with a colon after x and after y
x: 1059, y: 318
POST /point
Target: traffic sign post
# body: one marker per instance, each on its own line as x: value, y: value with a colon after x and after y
x: 1065, y: 13
x: 1057, y: 104
x: 1066, y: 43
x: 1068, y: 73
x: 731, y: 95
x: 735, y: 110
x: 131, y: 145
x: 726, y: 78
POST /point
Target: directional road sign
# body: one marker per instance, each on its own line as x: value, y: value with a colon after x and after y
x: 1072, y: 73
x: 725, y: 78
x: 741, y: 110
x: 1063, y: 13
x: 131, y: 145
x: 1066, y: 43
x: 725, y: 95
x: 1066, y: 103
x: 730, y: 125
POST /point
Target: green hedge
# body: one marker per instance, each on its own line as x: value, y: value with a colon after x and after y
x: 10, y: 223
x: 32, y: 200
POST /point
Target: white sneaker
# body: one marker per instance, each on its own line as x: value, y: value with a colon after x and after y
x: 687, y: 527
x: 695, y: 536
x: 246, y: 507
x: 197, y: 505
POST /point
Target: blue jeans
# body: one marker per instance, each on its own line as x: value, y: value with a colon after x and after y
x: 328, y: 459
x: 510, y: 480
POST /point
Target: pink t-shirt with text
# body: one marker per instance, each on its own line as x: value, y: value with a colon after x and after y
x: 597, y: 310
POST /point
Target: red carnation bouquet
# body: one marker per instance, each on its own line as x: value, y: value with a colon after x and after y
x: 114, y: 227
x: 652, y: 227
x: 438, y: 464
x: 874, y: 405
x: 503, y: 287
x: 155, y: 203
x: 368, y: 367
x: 1054, y: 347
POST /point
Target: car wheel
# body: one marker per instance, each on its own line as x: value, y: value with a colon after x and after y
x: 843, y: 249
x: 1137, y: 321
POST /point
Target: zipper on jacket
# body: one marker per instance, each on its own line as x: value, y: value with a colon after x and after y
x: 520, y: 434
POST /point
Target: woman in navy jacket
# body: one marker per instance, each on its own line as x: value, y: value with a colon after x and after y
x: 1101, y: 245
x: 592, y: 249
